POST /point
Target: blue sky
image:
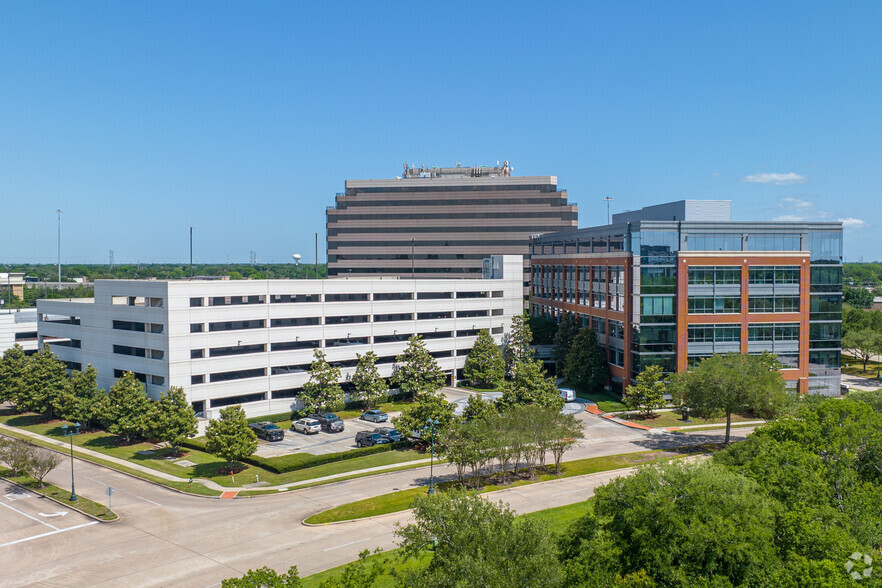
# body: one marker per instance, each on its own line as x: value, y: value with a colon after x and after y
x: 244, y: 119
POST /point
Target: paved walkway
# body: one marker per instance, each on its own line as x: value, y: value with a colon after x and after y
x: 861, y: 383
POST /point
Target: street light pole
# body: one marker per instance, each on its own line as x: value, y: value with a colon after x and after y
x: 432, y: 424
x: 70, y: 432
x: 59, y: 247
x: 607, y: 199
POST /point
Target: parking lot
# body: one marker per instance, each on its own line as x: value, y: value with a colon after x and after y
x: 25, y: 517
x: 320, y: 443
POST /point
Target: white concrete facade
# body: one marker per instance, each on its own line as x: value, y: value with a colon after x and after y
x: 250, y: 342
x: 18, y: 326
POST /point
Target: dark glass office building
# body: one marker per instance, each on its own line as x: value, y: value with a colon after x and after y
x: 441, y: 222
x: 674, y: 283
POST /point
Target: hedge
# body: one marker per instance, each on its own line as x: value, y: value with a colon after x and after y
x: 300, y: 461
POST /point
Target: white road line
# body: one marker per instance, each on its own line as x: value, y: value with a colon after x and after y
x: 125, y: 491
x: 47, y: 534
x: 339, y: 546
x: 29, y: 516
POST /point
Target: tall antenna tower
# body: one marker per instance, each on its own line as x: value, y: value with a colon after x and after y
x: 111, y: 260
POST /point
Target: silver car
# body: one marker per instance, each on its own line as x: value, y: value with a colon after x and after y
x: 307, y: 426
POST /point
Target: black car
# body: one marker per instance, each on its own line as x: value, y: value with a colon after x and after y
x: 329, y: 421
x: 267, y: 430
x: 366, y: 439
x: 389, y: 433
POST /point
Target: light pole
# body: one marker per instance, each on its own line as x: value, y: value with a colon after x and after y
x: 432, y: 424
x: 59, y: 250
x: 70, y: 432
x: 607, y: 199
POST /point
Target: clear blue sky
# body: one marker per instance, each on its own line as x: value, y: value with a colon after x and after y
x: 244, y: 118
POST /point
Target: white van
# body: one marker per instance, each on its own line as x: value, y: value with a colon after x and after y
x: 568, y: 394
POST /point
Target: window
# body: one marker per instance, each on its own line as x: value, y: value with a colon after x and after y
x: 382, y: 318
x: 424, y: 316
x: 236, y: 350
x: 656, y: 305
x: 157, y: 354
x: 434, y: 295
x: 196, y: 302
x: 236, y: 325
x: 471, y: 313
x: 284, y: 298
x: 395, y: 338
x: 727, y: 305
x: 290, y: 369
x: 346, y: 297
x: 346, y: 319
x: 346, y: 342
x: 235, y: 300
x: 197, y: 327
x: 826, y: 307
x: 760, y: 304
x: 133, y: 351
x: 156, y: 328
x: 291, y: 345
x: 393, y: 296
x: 197, y: 353
x: 295, y: 322
x: 237, y: 375
x: 230, y: 400
x: 157, y: 380
x: 156, y: 303
x: 616, y: 329
x: 701, y: 334
x: 471, y: 294
x: 129, y: 326
x: 468, y: 333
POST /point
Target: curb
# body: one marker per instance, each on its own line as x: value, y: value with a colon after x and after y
x: 55, y: 500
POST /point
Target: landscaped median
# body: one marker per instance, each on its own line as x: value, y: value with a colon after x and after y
x: 60, y: 495
x: 401, y: 500
x: 669, y: 419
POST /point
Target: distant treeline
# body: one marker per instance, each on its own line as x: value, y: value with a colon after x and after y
x: 862, y: 274
x: 165, y: 271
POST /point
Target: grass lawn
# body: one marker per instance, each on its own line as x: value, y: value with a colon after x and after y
x: 855, y: 367
x: 558, y: 520
x: 605, y: 402
x: 62, y: 495
x: 672, y: 419
x: 206, y: 465
x: 401, y: 500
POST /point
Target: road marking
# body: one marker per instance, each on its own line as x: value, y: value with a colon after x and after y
x: 124, y: 491
x: 55, y: 532
x: 345, y: 544
x: 54, y: 514
x: 29, y: 516
x: 17, y: 496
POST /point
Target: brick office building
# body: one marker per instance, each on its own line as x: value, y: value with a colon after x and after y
x: 674, y: 283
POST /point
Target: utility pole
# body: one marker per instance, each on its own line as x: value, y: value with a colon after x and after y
x: 59, y: 247
x: 191, y: 253
x: 607, y: 199
x: 316, y: 256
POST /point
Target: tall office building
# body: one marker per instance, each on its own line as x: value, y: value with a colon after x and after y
x: 674, y: 283
x: 441, y: 222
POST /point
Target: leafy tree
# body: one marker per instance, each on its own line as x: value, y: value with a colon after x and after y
x: 858, y: 297
x: 265, y: 578
x: 369, y: 385
x: 864, y: 344
x: 16, y: 453
x: 530, y: 385
x: 564, y: 433
x: 465, y: 445
x: 484, y: 366
x: 172, y: 419
x: 45, y: 379
x: 732, y: 383
x: 429, y: 405
x: 357, y: 574
x: 41, y: 462
x: 477, y: 543
x: 543, y: 330
x: 647, y: 394
x: 516, y: 348
x: 871, y: 397
x: 416, y: 371
x: 13, y: 366
x: 322, y: 392
x: 586, y: 366
x: 567, y: 330
x: 80, y: 401
x: 230, y: 437
x: 477, y: 408
x: 126, y: 407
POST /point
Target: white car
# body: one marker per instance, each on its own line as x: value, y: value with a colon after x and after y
x: 307, y: 426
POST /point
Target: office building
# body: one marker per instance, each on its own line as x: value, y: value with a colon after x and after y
x: 674, y: 283
x: 251, y: 342
x: 441, y: 222
x: 18, y: 327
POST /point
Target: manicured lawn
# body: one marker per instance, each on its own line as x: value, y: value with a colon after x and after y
x: 62, y: 495
x: 605, y: 402
x: 560, y: 518
x: 672, y: 419
x: 401, y: 500
x: 855, y: 367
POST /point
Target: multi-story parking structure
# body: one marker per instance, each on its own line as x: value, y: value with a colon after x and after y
x: 441, y: 222
x: 674, y: 283
x: 251, y: 342
x: 18, y: 327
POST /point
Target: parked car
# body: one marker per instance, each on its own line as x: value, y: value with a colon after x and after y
x: 366, y: 439
x: 374, y: 416
x: 329, y: 421
x: 267, y: 430
x: 568, y: 394
x: 307, y: 426
x: 389, y: 433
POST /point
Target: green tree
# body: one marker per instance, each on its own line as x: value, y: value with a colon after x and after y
x: 484, y: 366
x: 265, y: 578
x: 732, y: 383
x: 13, y: 367
x: 647, y: 394
x: 126, y: 407
x: 516, y: 347
x: 80, y: 401
x: 41, y: 462
x: 322, y: 391
x: 543, y: 330
x: 44, y: 381
x: 230, y: 437
x: 858, y: 297
x: 586, y: 366
x: 357, y: 574
x: 476, y: 543
x: 871, y: 397
x: 416, y: 371
x: 864, y: 344
x: 426, y: 406
x: 567, y: 331
x: 370, y: 387
x: 17, y: 454
x: 530, y: 385
x: 564, y: 433
x: 172, y: 419
x: 465, y: 444
x: 477, y: 408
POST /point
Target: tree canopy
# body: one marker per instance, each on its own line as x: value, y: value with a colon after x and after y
x: 322, y: 391
x: 586, y: 366
x: 369, y: 385
x: 229, y: 437
x: 126, y: 409
x: 416, y: 371
x: 484, y: 367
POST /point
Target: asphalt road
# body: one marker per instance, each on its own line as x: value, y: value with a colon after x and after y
x: 170, y: 539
